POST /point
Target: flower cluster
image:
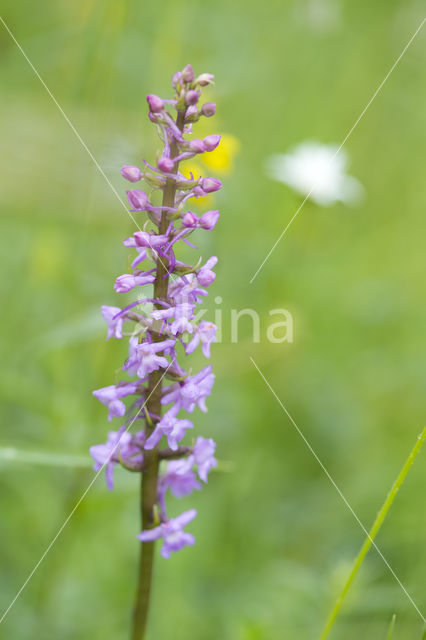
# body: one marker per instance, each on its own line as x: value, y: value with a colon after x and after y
x: 163, y: 323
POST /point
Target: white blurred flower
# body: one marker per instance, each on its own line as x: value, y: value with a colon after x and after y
x: 322, y: 16
x: 313, y: 169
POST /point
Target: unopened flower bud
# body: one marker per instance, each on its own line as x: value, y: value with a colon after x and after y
x: 211, y: 142
x: 209, y: 220
x: 154, y: 117
x: 210, y: 184
x: 137, y: 198
x: 166, y: 164
x: 197, y: 145
x: 192, y: 97
x: 176, y: 79
x: 132, y: 174
x: 189, y: 220
x: 208, y: 109
x: 187, y: 74
x: 155, y: 103
x: 204, y: 79
x: 192, y: 114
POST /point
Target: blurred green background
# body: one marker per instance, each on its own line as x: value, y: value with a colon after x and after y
x: 274, y: 539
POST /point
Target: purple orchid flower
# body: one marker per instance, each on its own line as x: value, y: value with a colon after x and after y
x: 180, y: 479
x: 205, y: 275
x: 114, y: 322
x: 203, y: 454
x: 143, y: 358
x: 204, y: 333
x: 187, y: 290
x: 150, y: 240
x: 192, y: 391
x: 174, y: 538
x: 182, y: 313
x: 128, y: 281
x: 110, y: 396
x: 119, y: 445
x: 171, y: 427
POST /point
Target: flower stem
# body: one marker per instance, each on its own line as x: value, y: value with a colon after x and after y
x: 373, y: 532
x: 149, y: 478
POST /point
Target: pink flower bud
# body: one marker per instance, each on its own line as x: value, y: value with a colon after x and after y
x: 155, y: 103
x: 154, y: 117
x: 190, y: 220
x: 187, y: 74
x: 191, y: 114
x: 192, y: 97
x: 176, y: 79
x: 205, y: 79
x: 209, y: 219
x: 211, y: 142
x: 208, y: 109
x: 210, y: 184
x: 132, y: 174
x: 166, y: 164
x: 137, y: 198
x: 197, y: 145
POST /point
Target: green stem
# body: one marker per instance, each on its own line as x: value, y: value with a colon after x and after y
x: 149, y: 478
x: 373, y: 532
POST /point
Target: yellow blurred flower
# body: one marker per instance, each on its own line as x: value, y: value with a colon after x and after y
x: 222, y: 158
x: 191, y: 167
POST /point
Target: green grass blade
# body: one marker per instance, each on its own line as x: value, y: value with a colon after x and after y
x: 391, y: 628
x: 373, y: 532
x: 45, y: 458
